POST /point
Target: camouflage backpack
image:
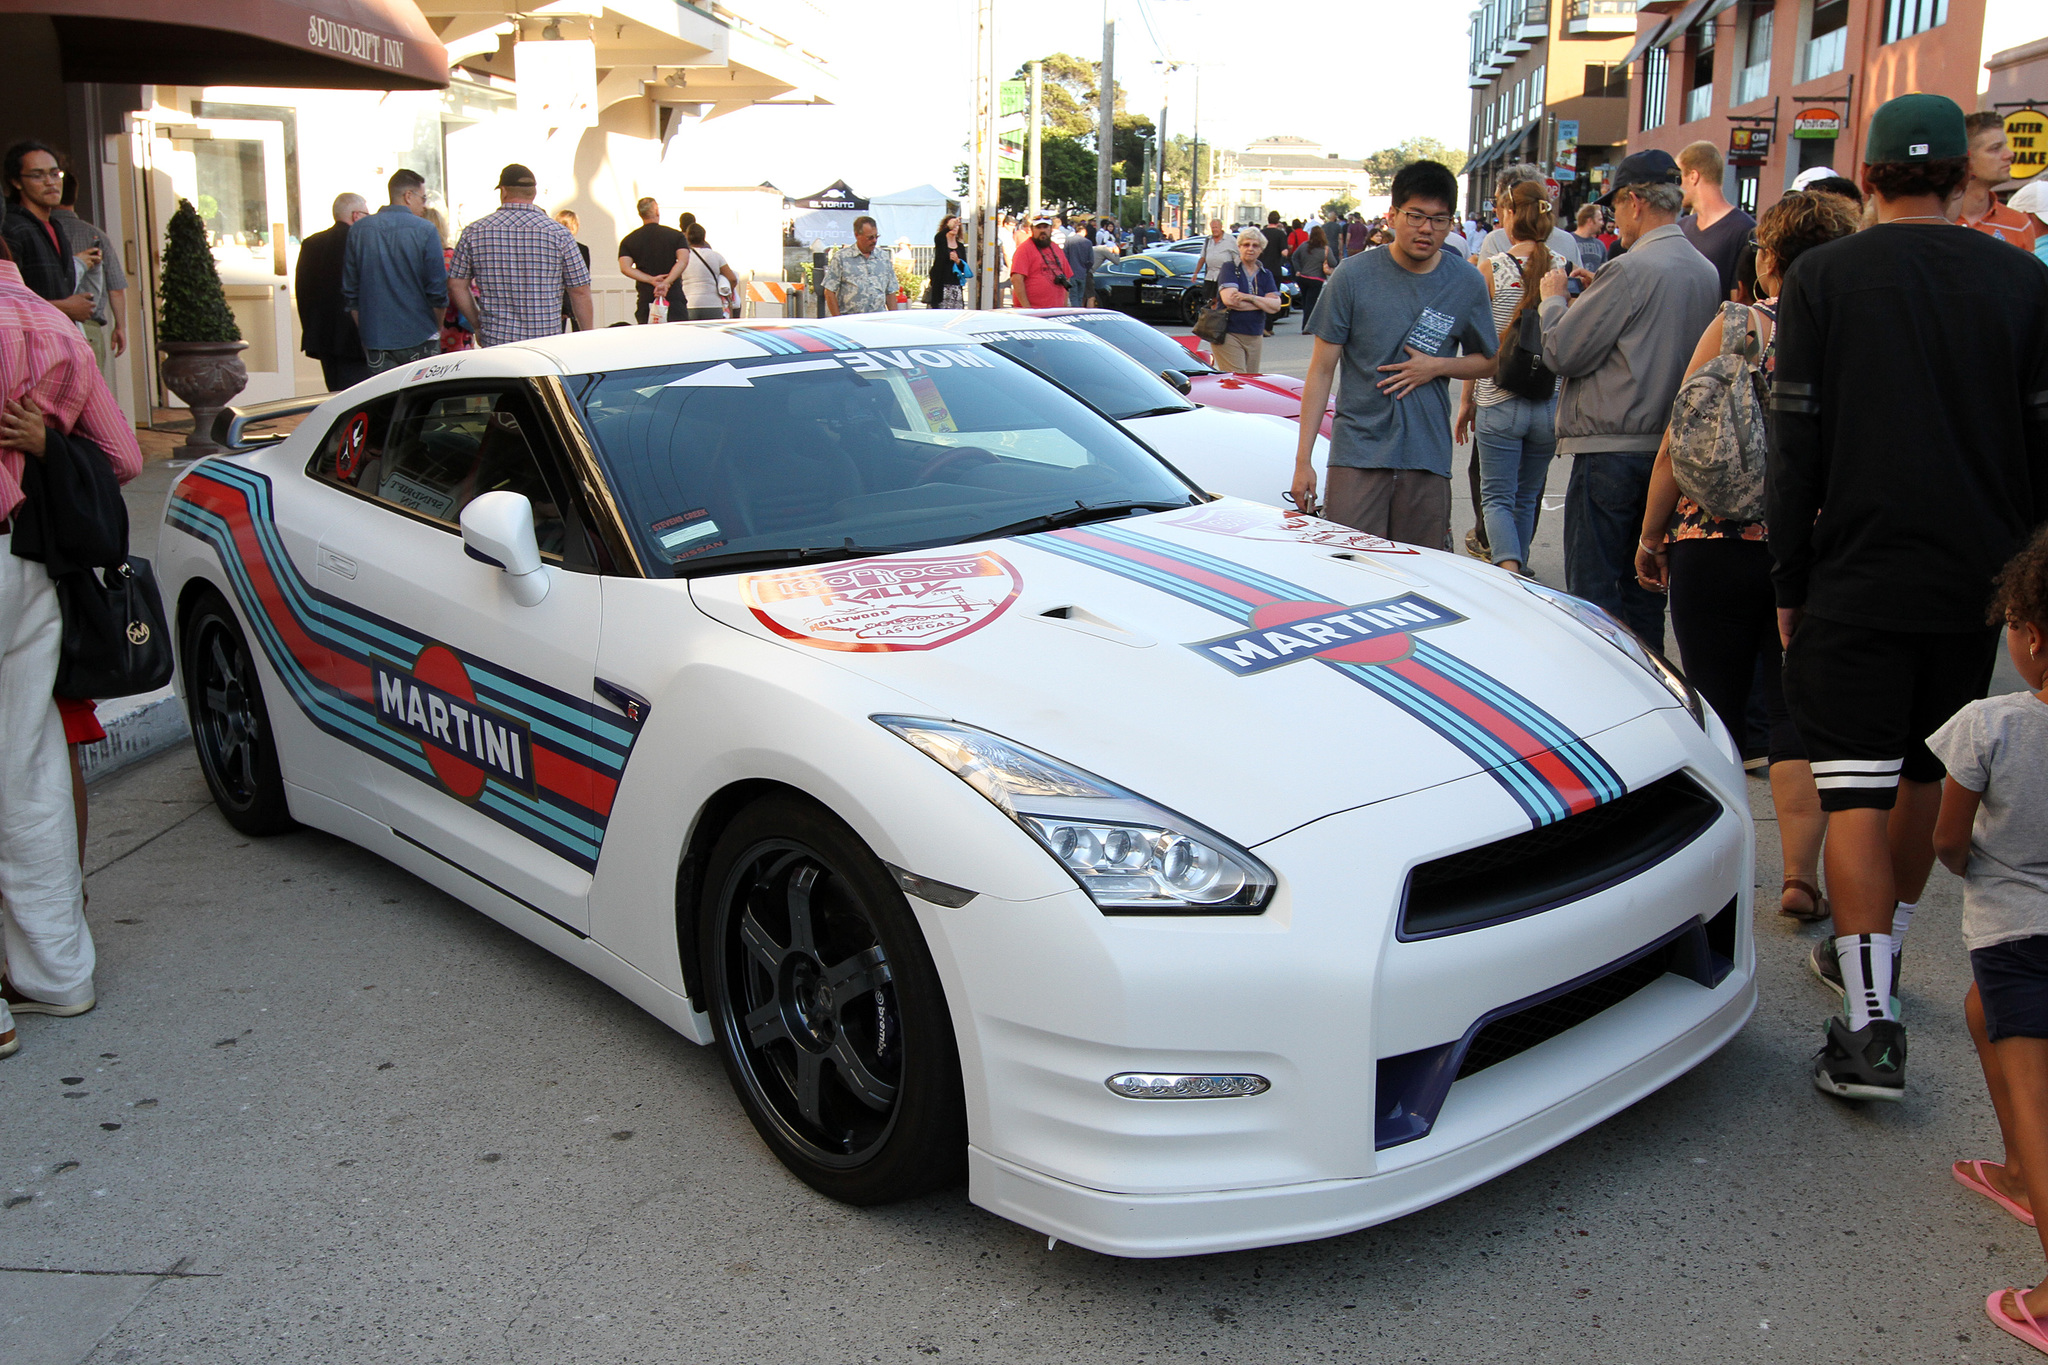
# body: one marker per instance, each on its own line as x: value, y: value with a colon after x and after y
x: 1717, y: 427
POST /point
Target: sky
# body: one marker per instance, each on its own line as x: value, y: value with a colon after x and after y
x: 1357, y: 76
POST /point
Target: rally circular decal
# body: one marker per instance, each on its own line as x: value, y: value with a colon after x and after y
x: 885, y: 605
x: 1269, y: 523
x: 354, y: 441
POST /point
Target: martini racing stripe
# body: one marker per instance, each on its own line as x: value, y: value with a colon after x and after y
x: 1548, y: 770
x: 787, y: 340
x: 324, y: 651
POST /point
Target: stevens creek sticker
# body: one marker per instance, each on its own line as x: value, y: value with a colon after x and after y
x: 884, y: 605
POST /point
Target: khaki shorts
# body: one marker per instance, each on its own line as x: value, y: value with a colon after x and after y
x: 1409, y: 505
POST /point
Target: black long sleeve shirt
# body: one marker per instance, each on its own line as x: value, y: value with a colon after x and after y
x: 1909, y: 451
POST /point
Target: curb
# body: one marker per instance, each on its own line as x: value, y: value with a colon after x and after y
x: 137, y: 728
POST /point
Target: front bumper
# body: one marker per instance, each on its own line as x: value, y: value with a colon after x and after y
x: 1468, y: 1150
x: 1050, y: 997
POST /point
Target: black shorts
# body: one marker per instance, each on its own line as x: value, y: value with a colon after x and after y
x: 1865, y: 700
x: 2012, y: 981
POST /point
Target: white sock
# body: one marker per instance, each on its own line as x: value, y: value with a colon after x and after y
x: 1866, y: 962
x: 1902, y: 920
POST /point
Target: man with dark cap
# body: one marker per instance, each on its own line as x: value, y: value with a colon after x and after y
x: 1620, y: 352
x: 513, y: 268
x: 1908, y: 462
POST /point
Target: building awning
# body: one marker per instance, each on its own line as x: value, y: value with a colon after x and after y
x: 301, y: 44
x: 1645, y: 40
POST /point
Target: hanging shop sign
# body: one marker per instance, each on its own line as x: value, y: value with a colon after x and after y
x: 2026, y: 132
x: 1817, y: 123
x: 1749, y: 146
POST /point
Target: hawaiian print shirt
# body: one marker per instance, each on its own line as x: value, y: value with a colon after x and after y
x: 864, y: 284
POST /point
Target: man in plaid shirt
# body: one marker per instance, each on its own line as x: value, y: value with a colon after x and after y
x: 515, y: 267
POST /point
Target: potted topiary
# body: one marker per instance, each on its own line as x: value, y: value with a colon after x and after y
x: 202, y: 346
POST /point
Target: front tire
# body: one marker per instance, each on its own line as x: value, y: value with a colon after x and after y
x: 230, y: 724
x: 830, y: 1016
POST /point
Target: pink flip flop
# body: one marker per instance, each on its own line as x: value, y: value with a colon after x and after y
x: 1970, y: 1175
x: 2030, y: 1331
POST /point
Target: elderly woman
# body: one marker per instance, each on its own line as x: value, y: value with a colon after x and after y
x: 1252, y: 295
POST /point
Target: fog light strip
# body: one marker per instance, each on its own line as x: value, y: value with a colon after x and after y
x: 1138, y: 1085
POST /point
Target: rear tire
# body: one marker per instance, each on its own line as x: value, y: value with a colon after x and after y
x: 230, y: 724
x: 829, y: 1013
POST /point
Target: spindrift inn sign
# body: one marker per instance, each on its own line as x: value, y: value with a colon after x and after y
x: 358, y: 44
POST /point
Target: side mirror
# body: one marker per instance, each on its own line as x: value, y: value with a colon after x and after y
x: 497, y: 528
x: 1178, y: 380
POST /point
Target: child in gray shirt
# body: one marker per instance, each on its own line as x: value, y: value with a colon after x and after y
x: 1993, y: 832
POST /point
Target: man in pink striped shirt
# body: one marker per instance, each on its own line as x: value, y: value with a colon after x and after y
x: 47, y: 377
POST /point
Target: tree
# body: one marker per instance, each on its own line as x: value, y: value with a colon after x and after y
x: 192, y: 305
x: 1384, y: 165
x: 1135, y: 136
x: 1069, y: 184
x: 1340, y: 206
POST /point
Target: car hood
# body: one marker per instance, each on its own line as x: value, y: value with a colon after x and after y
x: 1157, y: 652
x: 1236, y: 454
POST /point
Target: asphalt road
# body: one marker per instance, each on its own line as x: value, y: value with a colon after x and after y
x: 324, y: 1113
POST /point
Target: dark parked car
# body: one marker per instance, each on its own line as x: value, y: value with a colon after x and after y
x: 1162, y: 282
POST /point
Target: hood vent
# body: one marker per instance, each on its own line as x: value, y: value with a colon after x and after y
x: 1088, y: 623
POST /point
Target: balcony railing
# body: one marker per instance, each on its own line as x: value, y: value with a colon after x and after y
x: 1699, y: 102
x: 1824, y: 54
x: 1599, y: 16
x: 1753, y: 83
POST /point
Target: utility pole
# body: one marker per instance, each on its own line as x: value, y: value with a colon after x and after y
x: 1195, y: 171
x: 983, y: 247
x: 1159, y: 137
x: 1105, y: 130
x: 1037, y: 166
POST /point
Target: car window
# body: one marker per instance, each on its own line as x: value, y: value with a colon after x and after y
x: 927, y: 445
x: 444, y: 448
x: 355, y: 443
x: 1149, y: 347
x: 1100, y: 373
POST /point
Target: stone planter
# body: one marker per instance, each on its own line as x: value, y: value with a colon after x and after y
x: 206, y: 375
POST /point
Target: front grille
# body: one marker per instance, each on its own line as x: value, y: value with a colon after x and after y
x: 1517, y: 1033
x: 1545, y: 867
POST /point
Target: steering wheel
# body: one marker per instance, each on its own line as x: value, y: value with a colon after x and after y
x: 951, y: 456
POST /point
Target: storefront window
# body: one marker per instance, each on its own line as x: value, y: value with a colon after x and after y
x: 1656, y: 74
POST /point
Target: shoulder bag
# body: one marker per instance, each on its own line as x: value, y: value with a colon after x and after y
x: 1718, y: 438
x: 1522, y: 371
x: 724, y: 285
x: 115, y: 641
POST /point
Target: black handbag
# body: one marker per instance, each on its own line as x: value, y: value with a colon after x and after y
x: 1522, y: 371
x: 115, y: 641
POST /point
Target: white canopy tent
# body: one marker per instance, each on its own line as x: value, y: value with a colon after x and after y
x: 911, y: 215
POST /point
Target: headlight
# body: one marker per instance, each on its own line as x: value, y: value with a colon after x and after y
x: 1627, y: 641
x: 1128, y: 854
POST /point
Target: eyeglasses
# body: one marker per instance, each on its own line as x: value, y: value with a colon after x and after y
x: 1439, y: 221
x: 51, y: 174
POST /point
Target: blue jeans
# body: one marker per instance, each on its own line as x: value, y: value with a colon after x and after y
x: 1603, y: 522
x: 1517, y: 441
x: 1077, y: 291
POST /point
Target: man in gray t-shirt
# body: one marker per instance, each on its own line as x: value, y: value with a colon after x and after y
x: 1396, y: 319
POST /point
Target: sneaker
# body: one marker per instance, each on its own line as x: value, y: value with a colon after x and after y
x: 1827, y: 969
x: 1475, y: 545
x: 10, y: 1042
x: 22, y: 1004
x: 1869, y: 1064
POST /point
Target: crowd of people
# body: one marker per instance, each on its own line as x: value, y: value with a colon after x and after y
x: 1820, y: 437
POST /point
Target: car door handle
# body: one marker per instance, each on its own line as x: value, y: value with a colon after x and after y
x: 337, y: 561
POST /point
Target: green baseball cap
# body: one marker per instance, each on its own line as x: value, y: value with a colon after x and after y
x: 1916, y: 128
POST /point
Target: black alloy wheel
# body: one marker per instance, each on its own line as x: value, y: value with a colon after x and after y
x: 1190, y: 306
x: 830, y: 1017
x: 230, y: 725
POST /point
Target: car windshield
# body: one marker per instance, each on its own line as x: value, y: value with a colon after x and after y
x: 1149, y: 347
x: 1100, y: 373
x: 854, y: 452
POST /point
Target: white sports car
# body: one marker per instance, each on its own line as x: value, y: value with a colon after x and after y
x: 1191, y: 875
